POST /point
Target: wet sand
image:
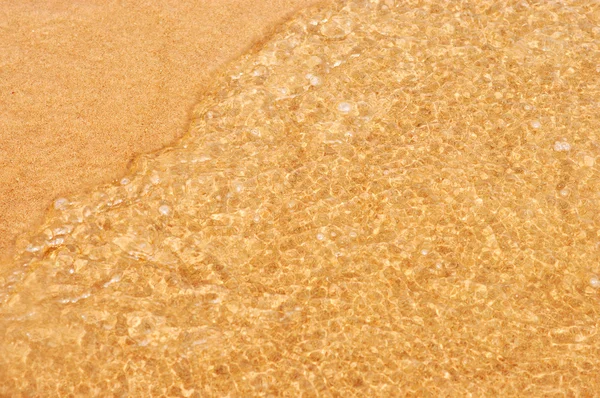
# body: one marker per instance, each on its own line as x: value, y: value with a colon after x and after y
x: 86, y: 86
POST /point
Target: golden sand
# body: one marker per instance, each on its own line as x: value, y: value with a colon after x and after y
x: 384, y: 200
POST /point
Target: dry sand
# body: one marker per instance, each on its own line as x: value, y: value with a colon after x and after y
x: 86, y: 86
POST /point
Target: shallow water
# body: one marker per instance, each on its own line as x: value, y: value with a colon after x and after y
x: 383, y: 200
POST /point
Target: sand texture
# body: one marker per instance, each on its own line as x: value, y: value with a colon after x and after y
x: 86, y: 85
x: 382, y: 200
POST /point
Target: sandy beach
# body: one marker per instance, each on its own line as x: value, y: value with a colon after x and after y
x: 87, y: 86
x: 376, y: 199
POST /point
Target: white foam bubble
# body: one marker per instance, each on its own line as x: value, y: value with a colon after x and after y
x: 155, y: 179
x: 562, y: 146
x: 165, y: 210
x: 344, y: 107
x: 314, y: 80
x: 60, y: 203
